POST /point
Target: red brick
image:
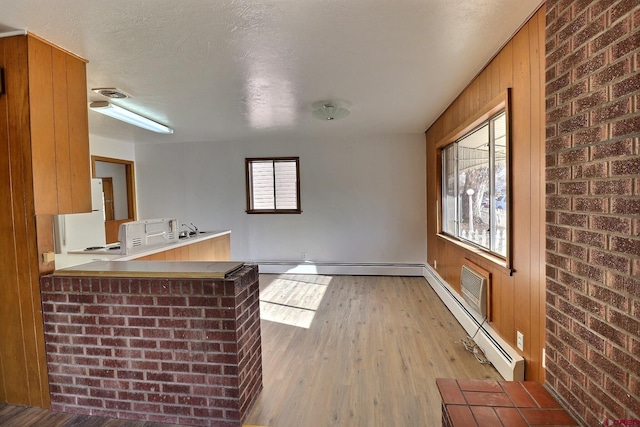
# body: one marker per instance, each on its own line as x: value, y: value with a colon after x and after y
x: 572, y: 281
x: 625, y: 245
x: 573, y: 219
x: 623, y: 395
x: 612, y: 111
x: 606, y: 399
x: 562, y: 81
x: 610, y: 261
x: 576, y: 155
x: 156, y: 311
x: 625, y: 322
x: 622, y: 9
x: 608, y: 332
x: 589, y: 135
x: 629, y: 85
x: 173, y: 323
x: 173, y: 301
x: 611, y: 73
x: 612, y: 149
x: 626, y: 167
x: 610, y: 36
x: 607, y: 296
x: 147, y: 322
x: 626, y: 126
x: 612, y: 224
x: 591, y: 204
x: 608, y: 368
x: 593, y: 28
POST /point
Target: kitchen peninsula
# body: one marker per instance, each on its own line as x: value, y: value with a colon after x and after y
x: 205, y: 246
x: 171, y: 342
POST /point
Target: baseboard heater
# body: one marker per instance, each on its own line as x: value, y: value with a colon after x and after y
x: 340, y: 268
x: 503, y: 357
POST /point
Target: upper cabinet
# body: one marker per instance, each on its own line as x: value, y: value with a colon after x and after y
x: 48, y: 89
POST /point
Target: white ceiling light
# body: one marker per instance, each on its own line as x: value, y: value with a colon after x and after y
x: 111, y: 92
x: 329, y: 110
x: 112, y: 110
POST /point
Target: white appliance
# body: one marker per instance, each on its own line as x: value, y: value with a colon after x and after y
x: 77, y: 232
x: 139, y: 235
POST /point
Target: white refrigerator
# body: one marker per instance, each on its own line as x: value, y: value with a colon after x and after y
x: 80, y: 231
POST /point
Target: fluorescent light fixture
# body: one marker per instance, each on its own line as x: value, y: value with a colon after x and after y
x: 112, y: 110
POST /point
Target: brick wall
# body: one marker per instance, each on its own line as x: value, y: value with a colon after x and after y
x: 179, y: 351
x: 593, y: 207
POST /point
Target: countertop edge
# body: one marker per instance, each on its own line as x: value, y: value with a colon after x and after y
x: 167, y: 247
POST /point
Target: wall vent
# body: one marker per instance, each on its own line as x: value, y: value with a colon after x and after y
x: 474, y: 283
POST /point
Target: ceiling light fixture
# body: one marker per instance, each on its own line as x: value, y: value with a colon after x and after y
x: 329, y: 110
x: 111, y: 92
x: 112, y: 110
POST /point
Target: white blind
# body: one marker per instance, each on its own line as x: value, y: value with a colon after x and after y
x: 274, y: 184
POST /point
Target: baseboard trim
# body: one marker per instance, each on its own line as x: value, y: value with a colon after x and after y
x: 334, y: 268
x: 504, y: 358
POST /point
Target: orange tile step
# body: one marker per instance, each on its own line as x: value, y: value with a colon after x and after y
x: 468, y: 403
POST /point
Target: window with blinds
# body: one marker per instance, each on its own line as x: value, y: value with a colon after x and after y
x: 273, y: 185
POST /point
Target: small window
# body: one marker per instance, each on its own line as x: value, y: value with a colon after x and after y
x: 273, y: 185
x: 475, y: 205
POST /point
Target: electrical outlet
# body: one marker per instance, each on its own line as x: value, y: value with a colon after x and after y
x: 303, y: 255
x: 520, y: 341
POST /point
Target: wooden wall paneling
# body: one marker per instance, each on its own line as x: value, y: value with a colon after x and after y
x: 542, y: 297
x: 536, y: 72
x: 79, y: 135
x: 43, y: 150
x: 7, y: 261
x: 521, y: 192
x: 24, y: 370
x: 495, y: 78
x: 518, y: 300
x: 61, y: 131
x: 505, y: 59
x: 44, y: 233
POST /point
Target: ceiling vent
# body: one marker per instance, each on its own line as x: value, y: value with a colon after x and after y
x: 111, y: 92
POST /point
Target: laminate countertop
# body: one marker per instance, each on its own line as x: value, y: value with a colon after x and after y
x: 153, y: 269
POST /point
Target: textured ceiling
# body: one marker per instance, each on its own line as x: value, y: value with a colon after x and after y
x: 229, y: 70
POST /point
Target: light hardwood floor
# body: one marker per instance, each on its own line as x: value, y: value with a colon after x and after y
x: 353, y: 351
x: 369, y: 357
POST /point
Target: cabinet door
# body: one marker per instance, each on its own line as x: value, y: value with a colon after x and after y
x: 80, y: 161
x: 43, y: 145
x: 59, y: 130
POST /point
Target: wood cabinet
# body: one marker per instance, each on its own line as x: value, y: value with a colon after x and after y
x: 44, y: 170
x: 57, y: 98
x: 214, y: 249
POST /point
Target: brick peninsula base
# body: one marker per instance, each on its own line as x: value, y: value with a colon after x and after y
x: 176, y: 350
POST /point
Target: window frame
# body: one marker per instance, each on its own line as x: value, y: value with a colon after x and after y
x: 490, y: 110
x: 248, y: 182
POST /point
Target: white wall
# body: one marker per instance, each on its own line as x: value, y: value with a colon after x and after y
x: 107, y: 147
x: 363, y: 199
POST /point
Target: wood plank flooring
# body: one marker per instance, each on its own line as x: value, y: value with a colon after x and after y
x: 22, y: 416
x: 337, y: 351
x: 369, y: 357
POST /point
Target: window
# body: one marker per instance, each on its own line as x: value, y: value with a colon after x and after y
x: 475, y: 201
x: 273, y: 185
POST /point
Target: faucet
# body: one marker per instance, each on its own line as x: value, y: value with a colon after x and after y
x: 193, y: 230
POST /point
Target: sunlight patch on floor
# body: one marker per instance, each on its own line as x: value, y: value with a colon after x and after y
x: 292, y: 302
